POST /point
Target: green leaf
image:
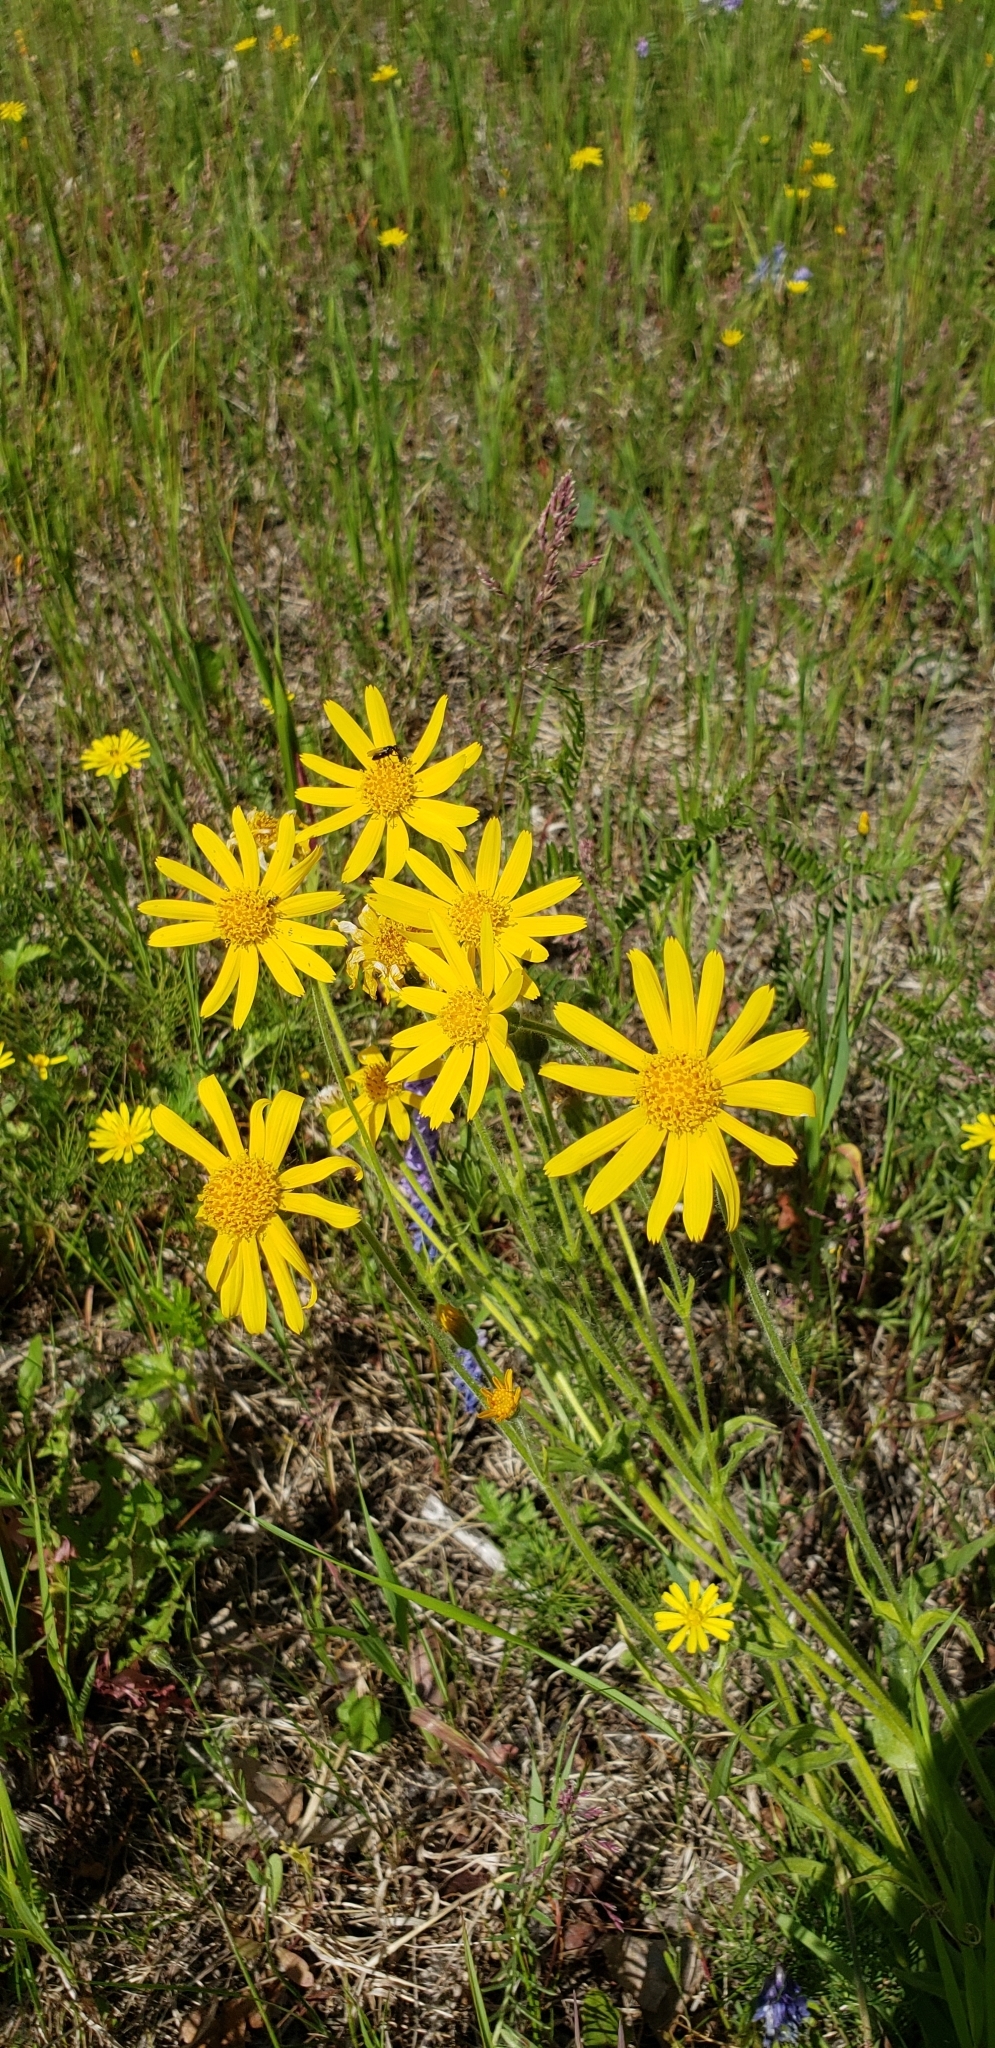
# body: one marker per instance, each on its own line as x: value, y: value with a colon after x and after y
x: 363, y: 1721
x: 29, y: 1378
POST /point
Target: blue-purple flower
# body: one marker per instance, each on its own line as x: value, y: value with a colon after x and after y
x: 783, y: 2008
x: 643, y: 46
x: 770, y: 268
x: 416, y: 1173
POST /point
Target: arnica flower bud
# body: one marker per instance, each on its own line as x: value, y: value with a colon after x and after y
x: 456, y: 1325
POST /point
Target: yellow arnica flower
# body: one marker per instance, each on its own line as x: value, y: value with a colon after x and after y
x: 797, y: 285
x: 981, y: 1132
x: 12, y: 110
x: 821, y: 148
x: 518, y: 924
x: 383, y: 75
x: 244, y: 1195
x: 640, y: 211
x: 379, y: 952
x: 693, y: 1617
x: 817, y: 35
x: 121, y: 1134
x: 731, y: 337
x: 498, y: 1403
x: 247, y: 43
x: 42, y: 1061
x: 393, y: 238
x: 376, y: 1095
x: 864, y: 824
x: 257, y: 917
x: 6, y: 1058
x: 912, y: 85
x: 465, y: 1025
x: 681, y: 1093
x: 586, y: 159
x: 878, y: 50
x: 116, y: 754
x: 391, y: 790
x: 824, y: 181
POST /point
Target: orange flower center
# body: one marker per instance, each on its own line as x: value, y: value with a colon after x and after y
x: 466, y: 1018
x: 468, y: 914
x: 376, y: 1081
x: 247, y: 917
x: 679, y: 1092
x: 389, y: 786
x: 241, y: 1198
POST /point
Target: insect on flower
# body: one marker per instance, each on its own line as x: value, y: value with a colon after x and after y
x: 121, y: 1135
x: 245, y: 1192
x: 390, y: 790
x: 681, y: 1093
x: 693, y: 1617
x: 116, y: 754
x: 256, y: 916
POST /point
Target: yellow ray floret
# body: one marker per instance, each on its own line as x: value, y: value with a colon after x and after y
x: 376, y: 1095
x: 244, y: 1195
x: 694, y: 1616
x: 6, y: 1056
x: 681, y: 1093
x: 121, y: 1135
x: 465, y: 1025
x: 518, y: 923
x: 256, y: 916
x: 393, y: 791
x: 980, y: 1132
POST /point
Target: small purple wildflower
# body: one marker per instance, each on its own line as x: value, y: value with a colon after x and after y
x: 801, y: 276
x: 643, y: 44
x: 783, y: 2008
x: 731, y: 6
x: 417, y: 1174
x: 771, y: 267
x: 474, y: 1371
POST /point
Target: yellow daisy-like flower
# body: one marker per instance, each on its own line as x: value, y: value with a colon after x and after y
x: 878, y: 50
x: 498, y: 1403
x: 247, y: 43
x: 797, y: 285
x: 393, y: 238
x: 121, y: 1134
x: 731, y: 337
x: 12, y: 110
x: 981, y: 1132
x: 391, y: 790
x: 518, y: 924
x: 824, y: 181
x: 256, y: 916
x: 817, y: 35
x: 821, y: 148
x: 42, y: 1061
x: 681, y: 1094
x: 244, y: 1194
x: 693, y: 1617
x: 376, y: 1095
x: 379, y: 953
x: 640, y: 212
x: 912, y: 85
x: 465, y: 1025
x: 6, y: 1057
x: 116, y: 754
x: 383, y: 75
x: 586, y: 159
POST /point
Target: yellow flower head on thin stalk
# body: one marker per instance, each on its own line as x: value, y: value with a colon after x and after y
x: 694, y: 1617
x: 393, y: 791
x: 981, y: 1132
x: 42, y: 1061
x: 465, y: 1025
x: 379, y: 952
x: 12, y: 110
x: 245, y: 1193
x: 586, y: 160
x: 822, y: 148
x: 255, y: 916
x: 393, y: 238
x: 681, y: 1093
x: 121, y: 1135
x: 640, y: 212
x: 731, y: 337
x: 116, y: 754
x: 383, y: 74
x: 376, y: 1095
x: 6, y: 1057
x: 499, y: 1402
x: 519, y: 924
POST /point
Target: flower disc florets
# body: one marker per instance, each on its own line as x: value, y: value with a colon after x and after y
x: 679, y: 1092
x: 247, y: 918
x: 389, y: 786
x: 468, y: 914
x: 242, y: 1198
x: 466, y: 1017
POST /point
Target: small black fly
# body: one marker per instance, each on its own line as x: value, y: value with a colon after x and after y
x: 381, y: 753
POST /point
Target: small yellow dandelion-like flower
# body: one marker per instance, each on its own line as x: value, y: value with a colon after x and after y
x: 42, y: 1061
x: 864, y: 824
x: 13, y: 110
x: 6, y: 1058
x: 790, y: 192
x: 878, y: 50
x: 981, y: 1132
x: 498, y: 1403
x: 821, y: 148
x: 989, y: 59
x: 817, y: 35
x: 121, y: 1135
x: 257, y: 916
x: 765, y: 138
x: 586, y: 160
x: 22, y: 42
x: 694, y: 1617
x: 912, y: 85
x: 797, y: 285
x: 376, y: 1095
x: 390, y: 790
x: 393, y: 238
x: 806, y: 63
x: 245, y: 1192
x: 247, y: 43
x: 808, y: 165
x: 731, y: 337
x: 116, y: 754
x: 640, y: 211
x: 681, y: 1094
x: 136, y: 57
x: 839, y: 229
x: 383, y: 75
x: 824, y: 181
